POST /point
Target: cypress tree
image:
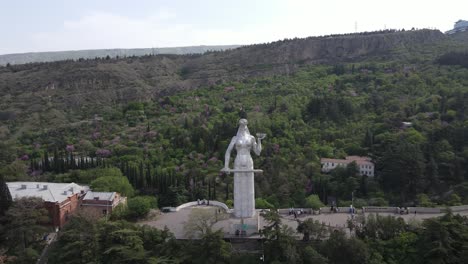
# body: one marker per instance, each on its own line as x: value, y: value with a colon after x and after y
x: 46, y: 162
x: 56, y: 162
x: 141, y: 176
x: 148, y: 176
x: 5, y: 196
x: 209, y: 190
x: 72, y: 161
x: 214, y: 189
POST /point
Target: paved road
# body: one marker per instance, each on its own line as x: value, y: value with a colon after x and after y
x: 50, y: 239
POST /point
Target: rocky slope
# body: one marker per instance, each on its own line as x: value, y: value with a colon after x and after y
x: 21, y: 58
x: 85, y: 85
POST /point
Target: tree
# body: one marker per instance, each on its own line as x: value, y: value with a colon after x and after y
x: 341, y: 250
x: 403, y: 167
x: 312, y: 228
x: 211, y: 248
x: 121, y: 243
x: 83, y: 240
x: 140, y: 206
x: 16, y: 171
x: 78, y: 243
x: 280, y: 243
x: 7, y: 153
x: 381, y: 227
x: 87, y: 176
x: 261, y: 203
x: 444, y: 239
x: 201, y: 221
x: 313, y: 201
x: 424, y: 201
x: 311, y: 256
x: 175, y: 195
x: 5, y: 196
x: 25, y: 225
x: 118, y: 184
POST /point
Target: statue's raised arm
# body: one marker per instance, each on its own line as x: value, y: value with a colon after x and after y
x: 257, y: 146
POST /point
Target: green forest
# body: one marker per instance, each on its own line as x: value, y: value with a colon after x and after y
x: 174, y: 147
x: 407, y: 110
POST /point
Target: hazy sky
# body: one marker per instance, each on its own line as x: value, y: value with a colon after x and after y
x: 51, y: 25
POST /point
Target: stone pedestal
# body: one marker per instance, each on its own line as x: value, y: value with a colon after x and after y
x: 244, y: 194
x: 243, y: 227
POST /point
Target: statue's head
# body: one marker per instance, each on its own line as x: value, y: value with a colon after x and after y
x: 243, y: 127
x: 243, y: 122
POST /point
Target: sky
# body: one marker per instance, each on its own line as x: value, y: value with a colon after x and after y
x: 55, y: 25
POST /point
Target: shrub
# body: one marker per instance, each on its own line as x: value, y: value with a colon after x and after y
x: 140, y: 206
x: 313, y: 201
x: 261, y: 203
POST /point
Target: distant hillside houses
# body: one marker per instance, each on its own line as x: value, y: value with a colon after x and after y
x: 364, y: 164
x: 460, y: 26
x: 62, y: 200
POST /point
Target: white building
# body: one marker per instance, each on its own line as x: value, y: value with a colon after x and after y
x: 460, y: 26
x: 364, y: 164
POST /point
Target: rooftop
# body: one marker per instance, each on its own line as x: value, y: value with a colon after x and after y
x: 359, y: 160
x: 101, y: 196
x: 48, y: 191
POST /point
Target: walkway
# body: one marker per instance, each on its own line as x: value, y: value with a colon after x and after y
x: 175, y: 221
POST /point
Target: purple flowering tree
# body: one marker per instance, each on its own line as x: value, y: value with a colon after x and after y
x: 70, y: 148
x: 103, y: 153
x: 95, y: 135
x: 276, y: 148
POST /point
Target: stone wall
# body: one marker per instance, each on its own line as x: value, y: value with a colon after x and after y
x: 213, y: 203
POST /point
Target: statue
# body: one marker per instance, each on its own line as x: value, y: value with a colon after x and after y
x: 244, y: 191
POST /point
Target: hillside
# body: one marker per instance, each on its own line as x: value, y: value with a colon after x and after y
x: 156, y: 129
x: 75, y: 84
x: 31, y: 57
x: 165, y: 120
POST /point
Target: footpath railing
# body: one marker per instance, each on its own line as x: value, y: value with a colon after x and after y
x: 196, y: 203
x: 326, y: 210
x: 376, y: 209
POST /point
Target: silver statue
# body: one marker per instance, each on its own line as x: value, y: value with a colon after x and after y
x: 244, y: 191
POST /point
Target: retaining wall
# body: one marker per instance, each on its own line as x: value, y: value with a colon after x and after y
x: 380, y: 209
